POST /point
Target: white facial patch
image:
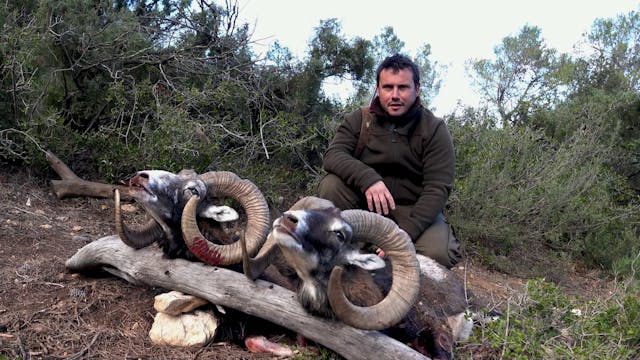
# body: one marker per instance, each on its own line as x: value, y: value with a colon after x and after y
x: 339, y: 225
x: 287, y: 241
x: 220, y: 213
x: 302, y: 226
x: 431, y: 269
x: 310, y: 289
x: 365, y: 261
x: 284, y: 239
x: 158, y: 179
x: 194, y: 187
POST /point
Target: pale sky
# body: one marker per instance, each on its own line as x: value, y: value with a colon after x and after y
x: 456, y: 30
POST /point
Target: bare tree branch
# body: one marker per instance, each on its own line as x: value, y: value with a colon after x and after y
x: 228, y: 288
x: 72, y: 185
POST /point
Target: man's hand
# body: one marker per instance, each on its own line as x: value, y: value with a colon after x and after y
x: 379, y: 198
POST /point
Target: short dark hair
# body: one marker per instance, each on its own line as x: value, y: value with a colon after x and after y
x: 398, y: 62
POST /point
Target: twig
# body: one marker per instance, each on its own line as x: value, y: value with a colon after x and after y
x: 23, y: 351
x: 84, y: 350
x: 229, y: 132
x: 506, y: 329
x: 264, y: 146
x: 53, y: 284
x: 25, y: 277
x: 6, y: 143
x: 31, y: 213
x: 304, y: 161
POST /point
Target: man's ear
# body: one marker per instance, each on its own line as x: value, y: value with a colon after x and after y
x: 220, y: 213
x: 365, y: 261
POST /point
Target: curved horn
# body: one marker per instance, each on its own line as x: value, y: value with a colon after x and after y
x: 138, y: 238
x: 312, y: 202
x: 244, y: 191
x: 385, y: 234
x: 254, y: 267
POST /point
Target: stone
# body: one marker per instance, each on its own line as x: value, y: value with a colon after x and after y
x: 176, y: 303
x: 197, y: 328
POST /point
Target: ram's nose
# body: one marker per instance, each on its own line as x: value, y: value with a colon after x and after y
x: 141, y: 178
x: 289, y: 220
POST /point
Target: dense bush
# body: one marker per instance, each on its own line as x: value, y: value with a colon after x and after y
x: 522, y: 196
x: 544, y: 323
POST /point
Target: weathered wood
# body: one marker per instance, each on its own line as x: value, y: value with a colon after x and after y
x: 232, y: 289
x: 61, y: 168
x: 72, y: 185
x: 73, y: 188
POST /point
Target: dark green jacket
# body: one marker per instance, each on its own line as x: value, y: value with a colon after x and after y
x: 413, y: 155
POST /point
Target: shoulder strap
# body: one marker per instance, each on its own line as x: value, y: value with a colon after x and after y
x: 365, y: 128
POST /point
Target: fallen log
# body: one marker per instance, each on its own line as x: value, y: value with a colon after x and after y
x: 228, y: 288
x: 74, y: 188
x: 60, y: 167
x: 72, y: 185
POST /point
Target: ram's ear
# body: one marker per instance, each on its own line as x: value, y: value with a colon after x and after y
x: 365, y: 261
x: 220, y: 213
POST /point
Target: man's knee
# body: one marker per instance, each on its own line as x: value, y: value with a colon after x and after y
x: 332, y: 188
x: 439, y: 242
x: 327, y: 188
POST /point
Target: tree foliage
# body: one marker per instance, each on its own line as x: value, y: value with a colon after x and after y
x: 562, y: 152
x: 614, y: 45
x: 521, y: 78
x: 388, y: 43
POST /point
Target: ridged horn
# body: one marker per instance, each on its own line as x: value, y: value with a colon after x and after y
x: 249, y: 196
x: 137, y: 238
x: 385, y: 234
x: 254, y: 267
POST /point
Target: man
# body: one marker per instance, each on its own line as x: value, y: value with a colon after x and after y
x: 405, y: 168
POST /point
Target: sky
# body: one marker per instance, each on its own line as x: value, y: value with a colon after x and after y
x: 457, y: 30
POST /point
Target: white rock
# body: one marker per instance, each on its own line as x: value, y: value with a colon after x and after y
x: 176, y: 303
x: 183, y: 330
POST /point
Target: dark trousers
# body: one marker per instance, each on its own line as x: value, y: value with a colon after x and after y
x: 438, y: 241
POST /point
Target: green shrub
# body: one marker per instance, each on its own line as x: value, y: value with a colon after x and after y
x: 526, y: 202
x: 545, y: 324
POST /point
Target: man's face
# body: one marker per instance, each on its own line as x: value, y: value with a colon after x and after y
x: 397, y: 91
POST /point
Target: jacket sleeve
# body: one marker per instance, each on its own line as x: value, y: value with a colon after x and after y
x: 438, y: 161
x: 339, y: 159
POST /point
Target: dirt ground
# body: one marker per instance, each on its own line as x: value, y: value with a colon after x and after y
x: 49, y: 313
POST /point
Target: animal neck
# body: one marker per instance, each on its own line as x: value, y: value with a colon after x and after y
x: 312, y: 294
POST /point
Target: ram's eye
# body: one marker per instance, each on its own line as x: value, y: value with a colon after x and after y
x: 193, y: 190
x: 340, y: 235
